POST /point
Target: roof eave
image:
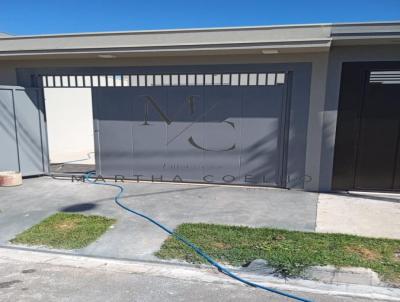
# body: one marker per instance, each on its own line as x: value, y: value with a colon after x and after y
x: 189, y: 50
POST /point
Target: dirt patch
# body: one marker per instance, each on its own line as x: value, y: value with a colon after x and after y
x: 278, y: 238
x: 397, y: 256
x: 365, y: 253
x: 66, y: 225
x: 221, y: 245
x: 394, y: 281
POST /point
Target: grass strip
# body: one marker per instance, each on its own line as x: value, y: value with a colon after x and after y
x: 288, y: 252
x: 65, y: 231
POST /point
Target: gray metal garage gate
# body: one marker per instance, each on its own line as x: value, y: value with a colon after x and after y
x: 237, y: 124
x: 193, y: 127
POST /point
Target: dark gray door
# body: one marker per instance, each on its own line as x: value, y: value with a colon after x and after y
x: 209, y: 132
x: 378, y: 162
x: 367, y: 147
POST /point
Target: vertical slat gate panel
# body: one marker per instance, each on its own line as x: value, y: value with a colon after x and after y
x: 8, y: 139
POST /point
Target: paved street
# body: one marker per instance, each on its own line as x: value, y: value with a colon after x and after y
x: 37, y: 276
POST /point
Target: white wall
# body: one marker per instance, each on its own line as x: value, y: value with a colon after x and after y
x: 69, y: 124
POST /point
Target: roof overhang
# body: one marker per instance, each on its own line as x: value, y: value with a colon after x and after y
x: 382, y: 33
x: 219, y: 41
x: 266, y: 40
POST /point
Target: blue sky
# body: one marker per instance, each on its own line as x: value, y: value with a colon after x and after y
x: 60, y: 16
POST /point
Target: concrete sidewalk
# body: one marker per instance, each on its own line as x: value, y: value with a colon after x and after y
x: 360, y: 213
x: 373, y: 215
x: 172, y: 204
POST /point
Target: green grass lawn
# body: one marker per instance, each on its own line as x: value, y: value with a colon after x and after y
x: 65, y: 230
x: 287, y: 251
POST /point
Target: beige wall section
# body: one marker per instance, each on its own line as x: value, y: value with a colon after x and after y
x: 69, y: 124
x: 319, y: 62
x: 315, y: 121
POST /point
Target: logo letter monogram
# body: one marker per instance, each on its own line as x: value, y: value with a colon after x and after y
x: 150, y: 101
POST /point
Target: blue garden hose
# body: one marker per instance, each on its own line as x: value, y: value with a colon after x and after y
x: 199, y: 251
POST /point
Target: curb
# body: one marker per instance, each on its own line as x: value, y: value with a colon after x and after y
x: 199, y: 273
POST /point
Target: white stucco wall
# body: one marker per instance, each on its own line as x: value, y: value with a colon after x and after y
x: 69, y: 124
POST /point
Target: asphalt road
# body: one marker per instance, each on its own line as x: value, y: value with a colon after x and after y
x: 29, y: 281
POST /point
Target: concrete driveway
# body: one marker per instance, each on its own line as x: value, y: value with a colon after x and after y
x: 370, y: 214
x: 172, y: 204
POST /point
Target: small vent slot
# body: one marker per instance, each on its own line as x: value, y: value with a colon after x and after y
x: 385, y: 77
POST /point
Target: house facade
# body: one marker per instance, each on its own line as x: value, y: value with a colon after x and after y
x: 314, y: 107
